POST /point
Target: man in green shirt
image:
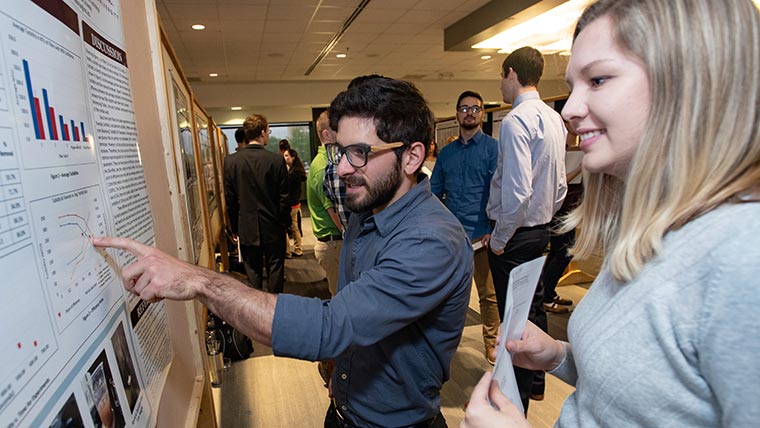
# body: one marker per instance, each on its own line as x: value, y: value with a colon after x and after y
x: 323, y: 217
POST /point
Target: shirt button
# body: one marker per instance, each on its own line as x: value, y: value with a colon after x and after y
x: 343, y: 376
x: 343, y: 407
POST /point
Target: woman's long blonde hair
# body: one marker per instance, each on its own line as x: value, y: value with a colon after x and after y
x: 701, y: 144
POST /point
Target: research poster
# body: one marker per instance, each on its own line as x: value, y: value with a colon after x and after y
x: 207, y: 161
x: 190, y: 173
x: 75, y: 349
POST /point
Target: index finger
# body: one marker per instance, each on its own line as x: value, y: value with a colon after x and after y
x: 127, y: 244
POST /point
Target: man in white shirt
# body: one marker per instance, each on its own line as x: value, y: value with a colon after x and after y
x: 528, y: 186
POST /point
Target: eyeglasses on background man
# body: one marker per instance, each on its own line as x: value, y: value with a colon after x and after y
x: 469, y: 109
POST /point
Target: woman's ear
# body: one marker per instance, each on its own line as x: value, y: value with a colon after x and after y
x: 413, y: 158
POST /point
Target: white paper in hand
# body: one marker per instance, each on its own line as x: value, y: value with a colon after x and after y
x: 522, y: 286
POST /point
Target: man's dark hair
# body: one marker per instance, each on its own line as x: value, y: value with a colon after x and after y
x: 254, y: 125
x: 240, y: 135
x: 360, y: 80
x: 528, y: 63
x: 398, y: 109
x: 284, y: 144
x: 472, y: 94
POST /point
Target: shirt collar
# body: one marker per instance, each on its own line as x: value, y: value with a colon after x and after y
x: 530, y: 95
x: 478, y: 137
x: 388, y: 219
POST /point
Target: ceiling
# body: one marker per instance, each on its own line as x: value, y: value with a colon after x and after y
x: 276, y: 41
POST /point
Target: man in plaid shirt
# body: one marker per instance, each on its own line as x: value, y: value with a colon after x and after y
x: 336, y: 192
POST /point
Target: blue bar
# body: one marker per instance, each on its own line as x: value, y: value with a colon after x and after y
x: 47, y: 113
x: 73, y: 131
x: 64, y: 134
x: 81, y: 127
x: 30, y: 93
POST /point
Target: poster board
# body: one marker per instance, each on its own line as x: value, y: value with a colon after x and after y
x: 203, y: 134
x: 498, y: 116
x: 444, y: 130
x: 217, y: 214
x: 71, y: 169
x: 189, y: 177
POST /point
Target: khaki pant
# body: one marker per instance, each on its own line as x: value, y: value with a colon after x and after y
x: 295, y: 232
x: 489, y: 311
x: 328, y: 257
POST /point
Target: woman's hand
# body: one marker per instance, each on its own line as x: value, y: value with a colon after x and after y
x: 536, y: 350
x: 481, y: 413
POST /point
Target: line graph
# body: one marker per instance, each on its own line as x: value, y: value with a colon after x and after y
x: 82, y: 224
x: 74, y: 272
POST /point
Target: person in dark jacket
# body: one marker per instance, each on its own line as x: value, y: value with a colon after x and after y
x: 256, y: 191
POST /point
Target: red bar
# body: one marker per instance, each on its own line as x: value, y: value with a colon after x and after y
x: 38, y: 115
x: 76, y: 134
x: 54, y: 131
x: 66, y: 132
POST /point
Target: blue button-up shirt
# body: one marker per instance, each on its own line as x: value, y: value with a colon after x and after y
x: 462, y: 174
x: 396, y: 321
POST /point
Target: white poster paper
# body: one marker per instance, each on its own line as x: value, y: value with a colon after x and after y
x: 74, y: 347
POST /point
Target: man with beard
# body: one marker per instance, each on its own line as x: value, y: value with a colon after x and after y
x: 461, y: 179
x: 404, y: 284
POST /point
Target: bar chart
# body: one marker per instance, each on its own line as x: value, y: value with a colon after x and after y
x: 47, y: 116
x: 51, y: 110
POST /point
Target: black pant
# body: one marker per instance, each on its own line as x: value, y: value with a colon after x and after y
x: 556, y: 262
x: 333, y: 420
x: 254, y: 257
x: 526, y: 244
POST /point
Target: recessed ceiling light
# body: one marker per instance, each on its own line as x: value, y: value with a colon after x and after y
x: 340, y: 55
x: 236, y: 108
x: 213, y: 74
x: 198, y: 27
x: 485, y: 57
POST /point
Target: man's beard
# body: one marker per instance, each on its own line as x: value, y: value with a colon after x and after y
x: 378, y: 194
x: 469, y: 125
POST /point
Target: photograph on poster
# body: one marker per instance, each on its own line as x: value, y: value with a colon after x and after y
x: 98, y: 385
x: 126, y: 366
x: 69, y: 416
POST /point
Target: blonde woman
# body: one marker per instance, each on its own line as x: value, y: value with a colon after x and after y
x: 666, y: 100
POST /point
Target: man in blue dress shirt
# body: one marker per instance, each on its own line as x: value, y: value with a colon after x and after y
x: 405, y: 272
x: 461, y: 179
x: 528, y: 186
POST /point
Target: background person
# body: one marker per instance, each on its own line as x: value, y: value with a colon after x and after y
x: 432, y: 154
x: 239, y: 138
x: 560, y: 242
x: 528, y: 187
x: 283, y: 146
x: 256, y: 192
x: 296, y: 175
x: 672, y: 195
x: 325, y: 223
x: 462, y: 179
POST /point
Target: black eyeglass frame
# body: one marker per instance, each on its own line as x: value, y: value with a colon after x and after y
x: 469, y: 109
x: 335, y: 152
